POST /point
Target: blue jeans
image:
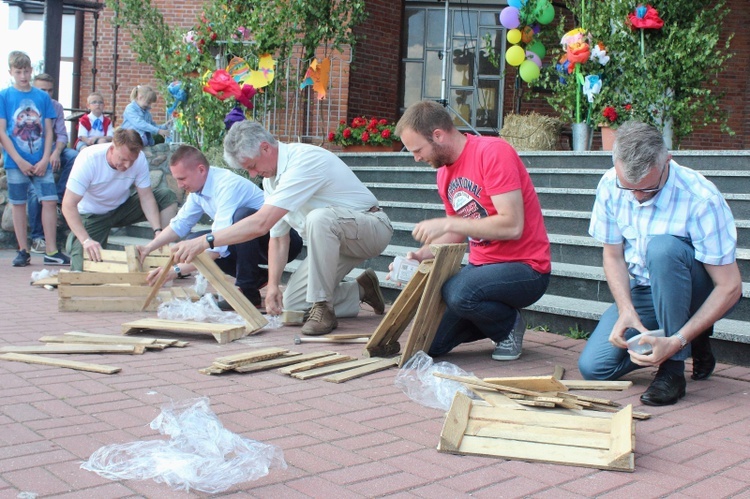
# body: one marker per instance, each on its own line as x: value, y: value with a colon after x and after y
x: 482, y: 302
x: 67, y: 158
x: 244, y: 258
x: 679, y: 286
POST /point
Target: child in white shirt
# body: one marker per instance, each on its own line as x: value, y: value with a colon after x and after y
x: 94, y: 127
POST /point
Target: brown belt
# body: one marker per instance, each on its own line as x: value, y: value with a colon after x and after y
x: 374, y: 209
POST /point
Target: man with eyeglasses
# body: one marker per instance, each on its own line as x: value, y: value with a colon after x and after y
x: 669, y: 259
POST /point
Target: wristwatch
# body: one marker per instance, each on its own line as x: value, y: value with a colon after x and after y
x: 210, y: 239
x: 681, y: 339
x: 176, y: 269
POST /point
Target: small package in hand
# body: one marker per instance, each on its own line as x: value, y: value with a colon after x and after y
x: 645, y: 348
x: 403, y: 269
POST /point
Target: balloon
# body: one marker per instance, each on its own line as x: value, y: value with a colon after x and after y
x: 538, y: 48
x: 516, y: 3
x: 531, y: 56
x: 514, y: 36
x: 509, y: 17
x: 515, y: 55
x: 547, y: 15
x: 527, y: 34
x: 529, y: 71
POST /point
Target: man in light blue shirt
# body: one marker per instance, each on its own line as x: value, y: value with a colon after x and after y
x: 227, y: 198
x: 669, y: 259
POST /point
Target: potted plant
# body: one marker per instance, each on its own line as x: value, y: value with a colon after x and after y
x: 613, y: 115
x: 364, y: 134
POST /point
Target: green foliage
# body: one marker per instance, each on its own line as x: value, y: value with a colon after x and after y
x: 229, y: 27
x: 676, y: 76
x: 577, y: 333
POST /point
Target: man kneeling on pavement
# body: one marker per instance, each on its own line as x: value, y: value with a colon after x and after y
x: 309, y: 189
x: 226, y: 198
x: 98, y: 196
x: 669, y: 258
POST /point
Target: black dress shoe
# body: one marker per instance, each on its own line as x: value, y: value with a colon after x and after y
x: 704, y: 361
x: 666, y: 389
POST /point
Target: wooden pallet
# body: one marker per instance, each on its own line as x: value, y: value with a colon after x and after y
x: 473, y: 428
x: 224, y: 333
x: 126, y: 261
x: 421, y: 301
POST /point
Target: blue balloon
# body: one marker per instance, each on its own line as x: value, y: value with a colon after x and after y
x: 515, y: 3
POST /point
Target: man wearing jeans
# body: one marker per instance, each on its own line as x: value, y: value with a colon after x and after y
x: 489, y: 199
x: 669, y: 258
x: 309, y: 189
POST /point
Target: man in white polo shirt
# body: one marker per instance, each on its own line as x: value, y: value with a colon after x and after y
x: 227, y: 198
x: 311, y: 190
x: 98, y: 196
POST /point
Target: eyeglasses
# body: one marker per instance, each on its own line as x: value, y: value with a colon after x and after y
x: 647, y: 190
x: 96, y: 102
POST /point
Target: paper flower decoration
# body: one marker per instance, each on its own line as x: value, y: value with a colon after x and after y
x: 178, y: 94
x: 592, y: 85
x: 234, y: 116
x: 645, y: 18
x: 599, y: 54
x: 222, y: 86
x: 317, y: 75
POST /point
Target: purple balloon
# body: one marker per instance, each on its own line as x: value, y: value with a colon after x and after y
x: 531, y: 56
x: 536, y: 27
x: 509, y: 17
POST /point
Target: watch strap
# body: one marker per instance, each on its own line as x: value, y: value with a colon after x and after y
x: 682, y: 340
x: 210, y: 239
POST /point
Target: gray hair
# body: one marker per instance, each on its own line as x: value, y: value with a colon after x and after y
x: 639, y: 147
x: 243, y: 142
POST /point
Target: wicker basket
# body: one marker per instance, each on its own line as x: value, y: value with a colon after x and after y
x: 531, y: 132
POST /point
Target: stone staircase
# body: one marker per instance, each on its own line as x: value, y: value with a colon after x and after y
x: 566, y: 184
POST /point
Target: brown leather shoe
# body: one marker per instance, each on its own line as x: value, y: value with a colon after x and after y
x: 372, y: 295
x: 322, y: 320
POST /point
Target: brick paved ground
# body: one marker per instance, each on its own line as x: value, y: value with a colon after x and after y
x: 363, y: 438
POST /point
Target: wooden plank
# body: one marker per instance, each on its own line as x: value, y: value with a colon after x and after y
x: 559, y: 372
x: 102, y: 291
x: 103, y: 305
x: 70, y: 364
x: 566, y: 421
x: 83, y: 278
x: 47, y: 281
x: 400, y: 314
x: 108, y: 267
x: 74, y: 348
x: 535, y: 383
x: 335, y: 368
x: 159, y: 282
x: 494, y: 398
x: 98, y: 340
x: 431, y: 307
x: 222, y: 332
x: 315, y: 363
x: 129, y: 340
x: 285, y: 360
x: 132, y: 259
x: 380, y: 365
x: 579, y: 384
x: 478, y: 382
x: 455, y: 423
x: 540, y: 434
x: 586, y: 398
x: 251, y: 356
x: 231, y: 294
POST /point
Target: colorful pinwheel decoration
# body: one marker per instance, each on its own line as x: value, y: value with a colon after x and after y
x: 179, y: 95
x: 644, y: 18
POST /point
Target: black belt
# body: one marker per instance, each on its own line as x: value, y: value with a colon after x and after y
x: 374, y: 209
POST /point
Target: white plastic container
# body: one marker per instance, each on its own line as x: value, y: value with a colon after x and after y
x: 403, y: 269
x: 645, y: 348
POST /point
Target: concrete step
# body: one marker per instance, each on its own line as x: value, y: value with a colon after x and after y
x: 699, y: 160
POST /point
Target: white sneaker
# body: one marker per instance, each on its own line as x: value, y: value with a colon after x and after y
x: 510, y: 348
x: 38, y: 246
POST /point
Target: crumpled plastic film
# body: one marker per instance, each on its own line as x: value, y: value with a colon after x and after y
x: 200, y: 454
x: 204, y: 310
x: 416, y: 380
x: 42, y: 274
x: 201, y: 284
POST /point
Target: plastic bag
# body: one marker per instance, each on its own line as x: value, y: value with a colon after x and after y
x: 200, y: 454
x: 201, y: 284
x: 415, y: 379
x: 41, y: 274
x: 203, y: 310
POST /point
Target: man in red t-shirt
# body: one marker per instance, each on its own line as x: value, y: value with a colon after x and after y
x: 490, y: 201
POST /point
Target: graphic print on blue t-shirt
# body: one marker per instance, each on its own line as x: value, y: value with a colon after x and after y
x: 463, y: 195
x: 28, y: 130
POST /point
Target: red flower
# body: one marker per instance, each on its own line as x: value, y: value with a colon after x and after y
x: 365, y: 136
x: 385, y: 134
x: 382, y: 122
x: 342, y: 122
x: 331, y: 136
x: 347, y: 133
x: 628, y: 107
x: 610, y: 113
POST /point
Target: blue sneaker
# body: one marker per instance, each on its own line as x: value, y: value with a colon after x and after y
x: 57, y: 259
x: 22, y: 259
x: 510, y: 348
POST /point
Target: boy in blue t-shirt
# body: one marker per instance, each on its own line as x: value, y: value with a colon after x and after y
x: 26, y: 133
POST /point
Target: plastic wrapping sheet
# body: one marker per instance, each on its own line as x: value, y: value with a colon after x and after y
x: 416, y: 380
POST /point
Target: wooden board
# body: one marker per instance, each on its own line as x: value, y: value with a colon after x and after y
x: 70, y: 364
x: 386, y: 335
x: 101, y: 340
x: 380, y: 365
x: 535, y: 383
x: 47, y: 281
x: 224, y: 333
x: 231, y: 294
x: 167, y: 342
x: 74, y: 348
x: 315, y: 363
x: 579, y: 384
x: 111, y: 304
x: 82, y: 278
x: 335, y: 368
x: 103, y: 291
x: 240, y: 359
x: 431, y: 307
x: 159, y: 282
x: 285, y: 360
x: 576, y: 440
